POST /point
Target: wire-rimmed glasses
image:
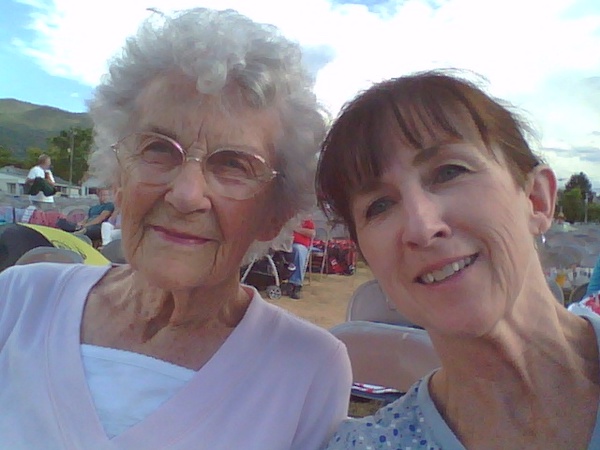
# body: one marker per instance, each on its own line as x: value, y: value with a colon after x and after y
x: 157, y: 160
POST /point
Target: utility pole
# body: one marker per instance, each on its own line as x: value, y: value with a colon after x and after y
x: 71, y: 152
x: 589, y: 197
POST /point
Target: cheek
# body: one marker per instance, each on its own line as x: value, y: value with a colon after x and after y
x: 239, y: 222
x: 378, y: 246
x: 136, y: 204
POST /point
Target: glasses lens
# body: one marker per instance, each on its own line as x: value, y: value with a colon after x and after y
x: 157, y: 157
x: 237, y: 174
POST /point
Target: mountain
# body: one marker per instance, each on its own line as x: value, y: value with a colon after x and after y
x: 24, y: 125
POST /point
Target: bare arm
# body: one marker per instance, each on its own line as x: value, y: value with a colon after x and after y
x: 104, y: 215
x: 49, y: 177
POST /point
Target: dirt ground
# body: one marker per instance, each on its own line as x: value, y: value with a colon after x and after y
x: 325, y: 297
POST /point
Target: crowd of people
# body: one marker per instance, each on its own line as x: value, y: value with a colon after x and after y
x: 207, y: 133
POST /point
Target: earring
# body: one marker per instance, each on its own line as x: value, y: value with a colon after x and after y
x: 540, y: 240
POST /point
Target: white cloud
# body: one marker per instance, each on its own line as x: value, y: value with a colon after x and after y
x: 538, y: 54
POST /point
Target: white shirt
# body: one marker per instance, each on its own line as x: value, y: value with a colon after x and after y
x: 127, y: 387
x: 38, y: 172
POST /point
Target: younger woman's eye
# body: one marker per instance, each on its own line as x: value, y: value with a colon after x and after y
x: 377, y: 207
x: 449, y: 172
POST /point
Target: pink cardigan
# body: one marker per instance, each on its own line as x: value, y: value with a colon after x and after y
x: 276, y: 383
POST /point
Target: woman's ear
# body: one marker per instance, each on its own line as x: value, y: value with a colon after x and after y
x: 541, y: 191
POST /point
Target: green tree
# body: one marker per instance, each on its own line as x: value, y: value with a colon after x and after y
x: 560, y: 193
x: 573, y: 208
x: 580, y: 180
x: 6, y: 157
x: 593, y: 212
x: 59, y: 148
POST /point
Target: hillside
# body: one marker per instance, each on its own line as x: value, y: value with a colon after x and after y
x: 24, y: 125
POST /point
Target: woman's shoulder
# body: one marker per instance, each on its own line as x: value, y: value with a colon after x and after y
x: 30, y: 293
x: 35, y: 281
x: 44, y: 272
x: 401, y: 424
x: 293, y: 323
x: 294, y: 336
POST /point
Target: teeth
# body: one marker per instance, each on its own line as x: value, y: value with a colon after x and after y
x: 446, y: 271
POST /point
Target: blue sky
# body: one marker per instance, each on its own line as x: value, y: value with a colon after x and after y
x: 22, y: 77
x: 543, y: 56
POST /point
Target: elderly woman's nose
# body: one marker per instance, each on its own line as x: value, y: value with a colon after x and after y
x: 189, y: 190
x: 424, y: 220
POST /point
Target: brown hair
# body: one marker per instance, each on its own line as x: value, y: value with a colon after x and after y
x: 43, y: 158
x: 409, y: 110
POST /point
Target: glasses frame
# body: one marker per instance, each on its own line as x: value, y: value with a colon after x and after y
x: 262, y: 180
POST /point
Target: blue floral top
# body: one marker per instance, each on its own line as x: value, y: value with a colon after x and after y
x: 413, y: 422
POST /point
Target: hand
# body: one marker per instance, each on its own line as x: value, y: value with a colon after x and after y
x: 48, y: 176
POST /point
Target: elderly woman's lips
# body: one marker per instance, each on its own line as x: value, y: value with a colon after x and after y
x: 177, y: 237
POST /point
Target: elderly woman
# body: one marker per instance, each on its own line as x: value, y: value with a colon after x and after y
x: 214, y: 129
x: 439, y: 187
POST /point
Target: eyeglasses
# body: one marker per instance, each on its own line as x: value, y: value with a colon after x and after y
x: 157, y: 160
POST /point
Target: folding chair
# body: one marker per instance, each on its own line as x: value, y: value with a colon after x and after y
x: 388, y: 359
x: 578, y: 293
x: 113, y: 251
x: 50, y: 254
x: 321, y: 234
x: 556, y: 290
x: 369, y: 303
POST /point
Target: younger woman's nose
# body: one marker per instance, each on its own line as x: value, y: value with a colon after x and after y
x: 424, y: 221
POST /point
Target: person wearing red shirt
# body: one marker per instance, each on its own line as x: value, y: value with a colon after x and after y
x: 302, y: 241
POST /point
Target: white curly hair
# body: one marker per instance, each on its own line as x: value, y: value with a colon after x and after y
x: 218, y: 49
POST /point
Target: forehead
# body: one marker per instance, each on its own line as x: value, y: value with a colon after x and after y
x: 416, y: 129
x: 371, y: 132
x: 173, y: 104
x: 412, y: 131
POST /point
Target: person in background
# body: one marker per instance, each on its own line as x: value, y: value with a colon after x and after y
x: 111, y: 229
x: 40, y: 183
x: 594, y: 283
x: 97, y: 215
x: 207, y: 130
x: 301, y: 244
x: 438, y: 185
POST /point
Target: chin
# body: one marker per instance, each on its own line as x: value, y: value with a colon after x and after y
x: 168, y: 274
x: 172, y: 279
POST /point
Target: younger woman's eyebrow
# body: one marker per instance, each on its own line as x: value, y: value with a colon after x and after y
x: 428, y: 153
x: 367, y: 186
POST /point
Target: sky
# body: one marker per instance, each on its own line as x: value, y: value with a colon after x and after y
x: 542, y: 56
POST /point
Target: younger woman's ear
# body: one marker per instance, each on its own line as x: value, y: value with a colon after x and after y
x: 541, y: 191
